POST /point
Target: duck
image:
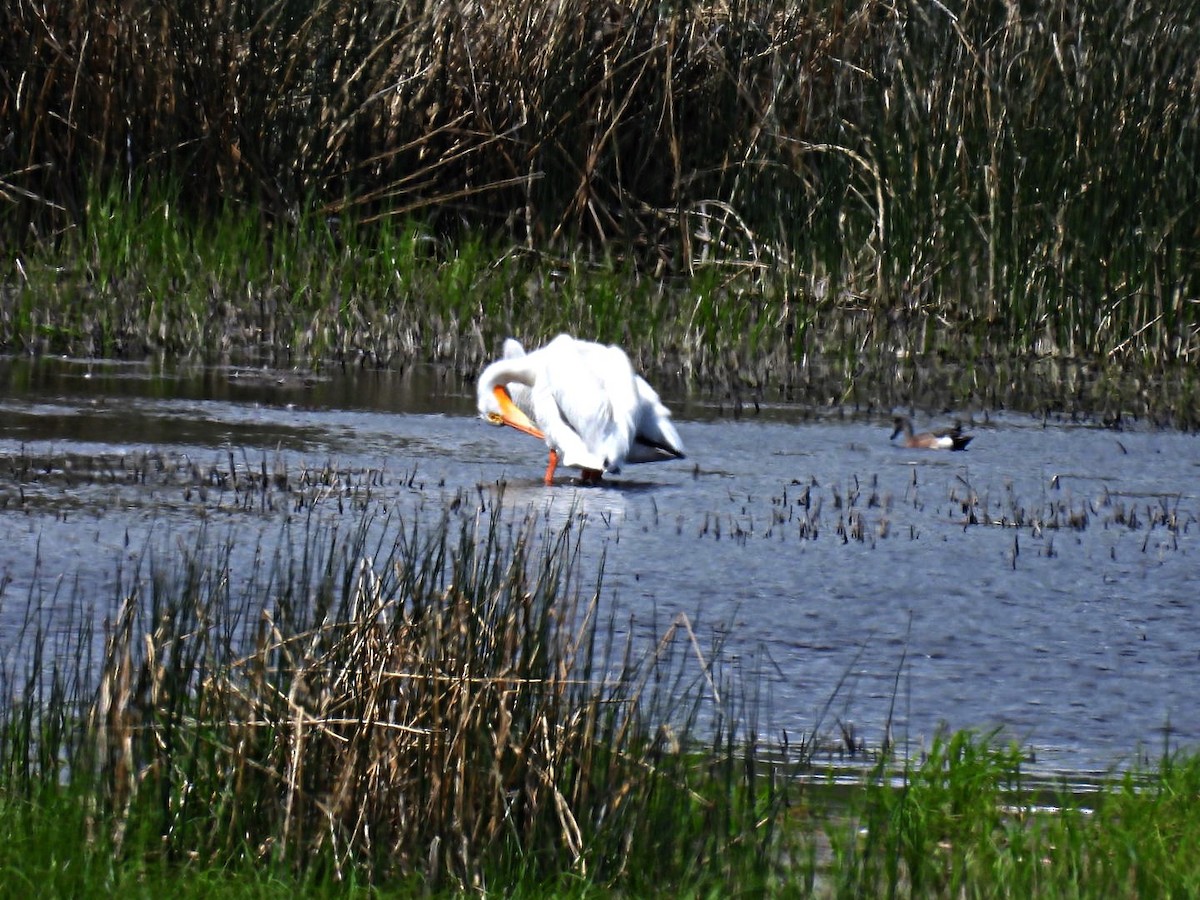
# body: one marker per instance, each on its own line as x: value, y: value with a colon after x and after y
x: 940, y: 439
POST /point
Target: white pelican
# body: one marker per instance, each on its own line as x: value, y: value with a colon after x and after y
x: 584, y: 400
x: 941, y: 439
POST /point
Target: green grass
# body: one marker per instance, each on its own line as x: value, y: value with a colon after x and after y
x: 968, y: 821
x: 338, y: 294
x: 52, y: 847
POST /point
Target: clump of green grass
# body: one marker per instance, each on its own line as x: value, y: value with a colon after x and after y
x: 968, y: 820
x: 937, y: 831
x: 390, y: 706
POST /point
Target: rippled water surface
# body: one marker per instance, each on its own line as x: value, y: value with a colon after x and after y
x: 1045, y: 581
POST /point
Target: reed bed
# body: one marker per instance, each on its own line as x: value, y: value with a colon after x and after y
x: 766, y: 185
x: 386, y: 705
x: 377, y: 706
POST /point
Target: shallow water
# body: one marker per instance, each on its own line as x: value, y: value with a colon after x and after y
x: 1043, y: 582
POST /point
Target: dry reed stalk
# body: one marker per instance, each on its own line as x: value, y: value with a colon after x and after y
x: 114, y: 719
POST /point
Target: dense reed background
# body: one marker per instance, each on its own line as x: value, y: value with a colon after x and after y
x: 953, y: 181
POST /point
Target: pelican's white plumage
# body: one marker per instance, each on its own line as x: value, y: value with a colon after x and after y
x: 584, y: 399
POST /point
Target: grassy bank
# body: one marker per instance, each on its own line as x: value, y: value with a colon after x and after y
x: 152, y: 283
x: 391, y: 710
x: 968, y: 821
x: 737, y: 192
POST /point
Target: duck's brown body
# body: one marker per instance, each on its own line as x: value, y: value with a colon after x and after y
x: 941, y: 439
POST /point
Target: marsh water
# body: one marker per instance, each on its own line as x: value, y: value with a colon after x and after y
x: 1044, y: 582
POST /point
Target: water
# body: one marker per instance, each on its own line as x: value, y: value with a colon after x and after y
x: 844, y: 568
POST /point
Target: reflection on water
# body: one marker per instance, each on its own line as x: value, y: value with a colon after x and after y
x: 1043, y: 581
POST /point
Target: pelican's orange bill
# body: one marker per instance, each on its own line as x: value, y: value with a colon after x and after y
x: 512, y: 416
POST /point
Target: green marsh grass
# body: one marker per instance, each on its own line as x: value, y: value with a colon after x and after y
x: 968, y: 820
x: 326, y: 296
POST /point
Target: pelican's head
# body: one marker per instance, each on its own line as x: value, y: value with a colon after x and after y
x: 494, y: 390
x: 489, y: 406
x: 496, y: 407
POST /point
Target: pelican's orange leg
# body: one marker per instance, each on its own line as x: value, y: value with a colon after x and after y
x: 551, y: 466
